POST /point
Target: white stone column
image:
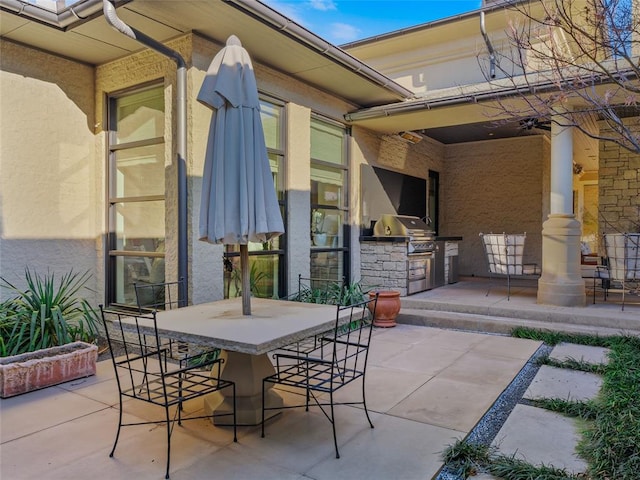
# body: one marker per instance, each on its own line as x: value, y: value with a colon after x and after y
x: 561, y: 282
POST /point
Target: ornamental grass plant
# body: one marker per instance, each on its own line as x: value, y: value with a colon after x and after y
x: 48, y: 312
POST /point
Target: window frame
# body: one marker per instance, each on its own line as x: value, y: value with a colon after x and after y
x: 344, y: 208
x: 112, y: 253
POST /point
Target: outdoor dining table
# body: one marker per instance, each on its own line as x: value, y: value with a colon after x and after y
x: 245, y: 341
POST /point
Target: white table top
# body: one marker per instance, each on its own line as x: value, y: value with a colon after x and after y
x: 272, y: 324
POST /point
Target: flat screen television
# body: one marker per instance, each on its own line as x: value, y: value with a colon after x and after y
x: 407, y: 194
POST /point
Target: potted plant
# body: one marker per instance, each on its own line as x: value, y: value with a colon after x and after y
x: 318, y: 232
x: 46, y: 333
x: 387, y: 308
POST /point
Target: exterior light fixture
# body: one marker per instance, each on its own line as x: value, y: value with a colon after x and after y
x: 411, y: 137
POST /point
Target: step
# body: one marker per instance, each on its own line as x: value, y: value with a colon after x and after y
x: 628, y: 320
x: 497, y: 324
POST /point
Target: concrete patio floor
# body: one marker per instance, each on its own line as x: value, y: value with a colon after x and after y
x: 426, y: 387
x: 429, y: 382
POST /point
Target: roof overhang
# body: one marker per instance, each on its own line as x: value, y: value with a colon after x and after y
x: 81, y: 33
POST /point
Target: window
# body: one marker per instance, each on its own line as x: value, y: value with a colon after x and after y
x: 329, y: 212
x: 266, y: 260
x: 136, y: 186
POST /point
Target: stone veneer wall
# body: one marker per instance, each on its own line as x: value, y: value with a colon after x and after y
x: 384, y: 265
x: 495, y: 186
x: 619, y: 189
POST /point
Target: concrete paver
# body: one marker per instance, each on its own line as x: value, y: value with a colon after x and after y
x: 539, y: 436
x: 585, y: 353
x: 552, y: 382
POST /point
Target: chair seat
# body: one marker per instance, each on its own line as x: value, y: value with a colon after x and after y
x: 316, y: 374
x: 181, y: 385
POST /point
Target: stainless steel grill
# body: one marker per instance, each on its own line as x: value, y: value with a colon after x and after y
x: 420, y: 248
x: 421, y: 239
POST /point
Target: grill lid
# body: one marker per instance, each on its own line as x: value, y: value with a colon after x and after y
x: 401, y: 226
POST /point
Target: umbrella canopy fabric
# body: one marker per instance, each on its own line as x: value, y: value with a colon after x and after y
x: 238, y: 203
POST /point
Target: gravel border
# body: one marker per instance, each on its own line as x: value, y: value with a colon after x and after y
x: 490, y: 424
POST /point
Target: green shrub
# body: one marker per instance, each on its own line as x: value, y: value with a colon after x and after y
x: 45, y: 314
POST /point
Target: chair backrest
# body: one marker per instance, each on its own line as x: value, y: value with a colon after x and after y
x: 159, y: 296
x: 139, y: 356
x: 318, y: 290
x: 623, y: 255
x: 351, y: 338
x: 504, y: 252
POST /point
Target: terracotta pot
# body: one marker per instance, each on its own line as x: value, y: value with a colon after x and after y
x: 387, y: 308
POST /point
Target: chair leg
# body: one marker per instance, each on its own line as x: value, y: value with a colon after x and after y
x: 180, y: 407
x: 262, y: 421
x: 235, y: 420
x: 333, y: 425
x: 166, y: 410
x: 364, y: 403
x: 119, y: 427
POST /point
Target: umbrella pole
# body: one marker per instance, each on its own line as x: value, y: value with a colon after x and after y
x: 246, y: 286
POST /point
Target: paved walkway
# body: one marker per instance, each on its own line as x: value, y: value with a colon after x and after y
x: 542, y: 437
x: 427, y: 388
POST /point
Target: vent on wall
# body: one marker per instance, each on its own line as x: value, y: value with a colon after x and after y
x: 411, y: 137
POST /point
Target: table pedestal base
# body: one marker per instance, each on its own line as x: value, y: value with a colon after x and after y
x: 247, y: 371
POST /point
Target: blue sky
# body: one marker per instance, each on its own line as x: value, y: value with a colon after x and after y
x: 343, y: 21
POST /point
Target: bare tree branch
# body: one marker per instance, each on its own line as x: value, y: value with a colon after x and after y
x: 578, y: 54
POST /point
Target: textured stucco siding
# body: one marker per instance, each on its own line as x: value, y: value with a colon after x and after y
x: 50, y: 179
x: 495, y: 186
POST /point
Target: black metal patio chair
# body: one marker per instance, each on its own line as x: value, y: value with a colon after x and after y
x: 160, y: 296
x: 168, y: 296
x: 340, y: 359
x: 146, y: 371
x: 314, y: 290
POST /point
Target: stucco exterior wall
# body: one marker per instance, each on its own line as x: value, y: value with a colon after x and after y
x: 619, y: 189
x: 50, y: 180
x: 495, y: 186
x: 438, y: 55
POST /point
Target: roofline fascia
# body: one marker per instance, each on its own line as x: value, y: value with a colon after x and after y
x: 61, y: 20
x: 432, y: 24
x: 470, y: 94
x: 288, y: 27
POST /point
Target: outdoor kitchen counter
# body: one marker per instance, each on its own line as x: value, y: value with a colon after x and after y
x: 386, y: 262
x: 389, y: 238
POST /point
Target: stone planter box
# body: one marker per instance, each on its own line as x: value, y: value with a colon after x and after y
x: 44, y: 368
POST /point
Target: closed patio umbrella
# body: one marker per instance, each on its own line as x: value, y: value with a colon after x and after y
x: 238, y: 203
